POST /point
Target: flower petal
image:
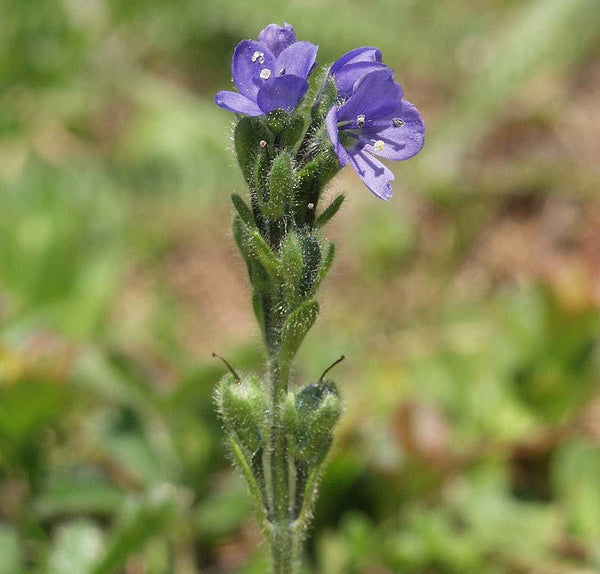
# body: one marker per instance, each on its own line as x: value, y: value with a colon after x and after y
x: 348, y: 69
x: 331, y: 122
x: 376, y: 176
x: 347, y: 77
x: 281, y: 92
x: 234, y: 102
x: 364, y: 54
x: 250, y: 58
x: 402, y: 142
x: 277, y: 38
x: 375, y: 96
x: 297, y: 60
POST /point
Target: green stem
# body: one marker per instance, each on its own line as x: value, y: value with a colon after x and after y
x: 284, y: 542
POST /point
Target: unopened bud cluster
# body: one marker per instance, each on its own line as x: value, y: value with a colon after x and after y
x: 290, y: 140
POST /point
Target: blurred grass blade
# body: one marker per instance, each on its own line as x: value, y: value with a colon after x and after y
x: 144, y: 520
x: 547, y: 35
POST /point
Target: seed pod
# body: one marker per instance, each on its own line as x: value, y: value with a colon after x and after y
x: 317, y: 409
x: 242, y: 405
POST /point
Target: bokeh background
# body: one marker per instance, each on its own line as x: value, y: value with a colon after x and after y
x: 468, y: 307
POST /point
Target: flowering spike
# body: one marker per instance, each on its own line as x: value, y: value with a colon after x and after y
x: 288, y: 152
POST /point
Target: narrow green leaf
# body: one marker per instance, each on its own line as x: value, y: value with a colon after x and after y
x: 263, y: 253
x: 291, y: 267
x: 297, y: 325
x: 330, y: 211
x: 326, y: 263
x: 243, y: 210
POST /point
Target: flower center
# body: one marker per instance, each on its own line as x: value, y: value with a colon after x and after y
x: 265, y: 73
x: 258, y: 57
x: 379, y: 145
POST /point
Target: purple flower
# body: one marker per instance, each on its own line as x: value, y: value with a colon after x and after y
x: 375, y: 119
x: 354, y: 65
x: 277, y: 38
x: 269, y: 74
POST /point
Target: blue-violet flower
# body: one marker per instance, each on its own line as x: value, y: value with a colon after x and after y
x: 269, y: 73
x: 375, y: 119
x: 352, y: 66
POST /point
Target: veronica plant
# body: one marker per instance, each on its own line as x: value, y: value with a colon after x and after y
x: 289, y: 146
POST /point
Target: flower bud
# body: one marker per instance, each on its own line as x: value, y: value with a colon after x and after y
x: 242, y: 405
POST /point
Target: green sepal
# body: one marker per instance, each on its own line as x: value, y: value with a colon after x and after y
x: 243, y: 407
x: 248, y: 134
x: 240, y: 234
x: 330, y: 211
x: 261, y: 175
x: 280, y: 185
x: 291, y: 421
x: 325, y: 100
x: 259, y: 312
x: 292, y: 266
x: 245, y: 467
x: 296, y: 327
x: 312, y: 178
x: 327, y: 257
x: 294, y: 130
x: 243, y: 210
x: 311, y: 255
x: 263, y: 253
x: 277, y: 121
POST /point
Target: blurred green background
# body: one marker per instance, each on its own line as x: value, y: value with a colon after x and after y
x: 468, y: 306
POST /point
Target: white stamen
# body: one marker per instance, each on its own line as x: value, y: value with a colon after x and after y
x: 397, y: 122
x: 282, y: 72
x: 262, y: 143
x: 258, y: 56
x: 360, y: 121
x: 265, y: 73
x: 379, y: 145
